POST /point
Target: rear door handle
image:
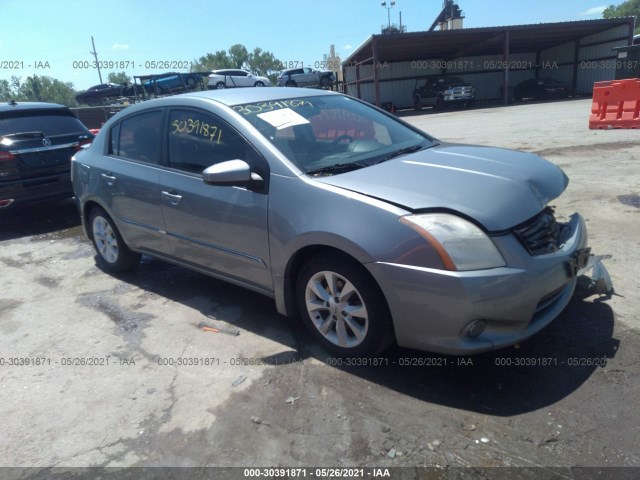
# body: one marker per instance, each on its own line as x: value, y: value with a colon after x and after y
x: 109, y: 178
x: 172, y: 196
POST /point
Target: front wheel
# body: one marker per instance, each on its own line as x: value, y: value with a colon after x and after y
x: 259, y: 84
x: 343, y: 307
x: 112, y: 250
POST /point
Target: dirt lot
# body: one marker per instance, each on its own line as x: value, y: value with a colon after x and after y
x: 138, y: 406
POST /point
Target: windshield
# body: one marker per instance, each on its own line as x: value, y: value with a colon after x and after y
x: 332, y: 134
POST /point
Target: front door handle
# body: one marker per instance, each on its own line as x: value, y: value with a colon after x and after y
x: 172, y: 196
x: 109, y: 178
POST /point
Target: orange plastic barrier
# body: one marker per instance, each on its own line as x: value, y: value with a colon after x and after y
x: 616, y: 104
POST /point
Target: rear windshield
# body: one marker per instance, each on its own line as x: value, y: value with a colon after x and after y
x: 50, y: 123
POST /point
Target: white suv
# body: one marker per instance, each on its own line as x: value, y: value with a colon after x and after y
x: 228, y: 78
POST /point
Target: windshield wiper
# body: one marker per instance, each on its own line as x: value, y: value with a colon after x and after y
x: 338, y: 167
x: 402, y: 151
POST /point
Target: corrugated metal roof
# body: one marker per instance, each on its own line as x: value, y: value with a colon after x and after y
x: 467, y: 42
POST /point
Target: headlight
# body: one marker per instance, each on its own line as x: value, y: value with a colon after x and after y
x: 459, y: 243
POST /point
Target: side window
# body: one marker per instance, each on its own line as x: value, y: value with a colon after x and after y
x: 198, y: 140
x: 114, y: 135
x: 139, y: 137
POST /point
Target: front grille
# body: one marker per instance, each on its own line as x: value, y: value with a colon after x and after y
x: 541, y: 234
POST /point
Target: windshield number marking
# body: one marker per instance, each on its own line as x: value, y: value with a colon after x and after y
x: 255, y: 108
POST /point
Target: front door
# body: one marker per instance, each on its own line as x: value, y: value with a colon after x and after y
x: 222, y: 229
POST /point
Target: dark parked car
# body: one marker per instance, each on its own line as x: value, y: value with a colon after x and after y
x: 438, y: 92
x: 540, y: 89
x: 306, y: 77
x: 366, y: 227
x: 97, y: 94
x: 37, y: 141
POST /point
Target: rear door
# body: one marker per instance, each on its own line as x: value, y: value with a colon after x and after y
x: 129, y: 180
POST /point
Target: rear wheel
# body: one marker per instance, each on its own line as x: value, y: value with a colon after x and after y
x: 290, y: 83
x: 325, y: 82
x: 112, y: 251
x: 343, y: 307
x: 259, y: 84
x: 220, y: 85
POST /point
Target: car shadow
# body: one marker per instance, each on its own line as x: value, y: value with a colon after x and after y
x: 537, y: 373
x: 57, y: 218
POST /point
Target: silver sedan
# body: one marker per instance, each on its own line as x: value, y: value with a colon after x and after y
x: 368, y: 229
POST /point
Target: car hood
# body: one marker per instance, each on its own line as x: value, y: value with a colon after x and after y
x: 497, y: 187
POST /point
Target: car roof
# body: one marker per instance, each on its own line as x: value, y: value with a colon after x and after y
x: 229, y: 70
x: 23, y: 106
x: 236, y: 96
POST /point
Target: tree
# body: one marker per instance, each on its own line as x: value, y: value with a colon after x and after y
x: 212, y: 61
x: 238, y: 55
x: 258, y: 62
x: 120, y: 77
x: 630, y: 8
x: 264, y: 64
x: 38, y: 89
x: 391, y: 29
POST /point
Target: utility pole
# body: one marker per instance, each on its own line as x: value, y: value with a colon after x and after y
x: 95, y: 55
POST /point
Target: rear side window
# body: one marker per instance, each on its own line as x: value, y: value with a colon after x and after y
x: 50, y: 123
x: 138, y: 137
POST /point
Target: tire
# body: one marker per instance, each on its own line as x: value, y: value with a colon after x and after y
x: 359, y: 322
x: 191, y: 81
x: 113, y: 253
x: 325, y: 82
x: 220, y: 85
x: 259, y: 84
x: 290, y: 83
x: 439, y: 103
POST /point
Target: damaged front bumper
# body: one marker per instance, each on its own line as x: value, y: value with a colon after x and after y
x: 440, y: 310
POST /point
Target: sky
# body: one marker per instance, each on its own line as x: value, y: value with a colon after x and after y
x: 53, y: 38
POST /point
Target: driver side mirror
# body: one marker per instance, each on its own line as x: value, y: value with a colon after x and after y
x: 231, y: 173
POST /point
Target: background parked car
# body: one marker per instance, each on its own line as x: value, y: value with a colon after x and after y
x: 37, y: 141
x: 97, y: 94
x: 306, y: 77
x: 540, y: 89
x: 438, y: 92
x: 229, y: 78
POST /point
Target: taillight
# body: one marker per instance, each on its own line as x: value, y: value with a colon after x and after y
x: 83, y: 142
x: 6, y: 156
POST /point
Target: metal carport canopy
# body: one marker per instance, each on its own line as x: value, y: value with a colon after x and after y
x: 468, y: 42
